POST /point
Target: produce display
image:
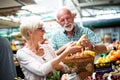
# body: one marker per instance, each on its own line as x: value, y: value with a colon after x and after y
x: 111, y: 72
x: 107, y: 67
x: 106, y: 76
x: 112, y: 57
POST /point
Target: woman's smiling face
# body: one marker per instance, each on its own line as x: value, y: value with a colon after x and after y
x: 39, y: 34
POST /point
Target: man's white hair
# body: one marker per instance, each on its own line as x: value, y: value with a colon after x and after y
x: 59, y: 9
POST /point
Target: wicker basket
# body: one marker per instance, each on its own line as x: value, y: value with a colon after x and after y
x: 84, y: 66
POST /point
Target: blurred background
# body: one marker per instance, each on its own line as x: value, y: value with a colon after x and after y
x: 102, y: 16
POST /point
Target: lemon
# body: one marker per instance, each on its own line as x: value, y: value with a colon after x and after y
x: 99, y: 60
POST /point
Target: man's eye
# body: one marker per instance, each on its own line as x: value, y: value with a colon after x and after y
x: 62, y: 20
x: 68, y: 18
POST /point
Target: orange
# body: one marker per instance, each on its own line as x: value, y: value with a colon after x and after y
x: 111, y: 52
x: 119, y: 47
x: 113, y: 57
x: 115, y: 54
x: 118, y: 53
x: 117, y: 62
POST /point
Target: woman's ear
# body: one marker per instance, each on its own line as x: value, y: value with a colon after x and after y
x: 29, y: 33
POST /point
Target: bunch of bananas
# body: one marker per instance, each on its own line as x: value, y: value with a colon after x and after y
x: 84, y: 52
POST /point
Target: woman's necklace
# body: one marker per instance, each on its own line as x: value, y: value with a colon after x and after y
x: 39, y: 52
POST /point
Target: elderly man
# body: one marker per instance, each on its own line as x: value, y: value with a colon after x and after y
x: 72, y: 32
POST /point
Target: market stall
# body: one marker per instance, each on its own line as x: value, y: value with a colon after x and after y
x: 106, y: 66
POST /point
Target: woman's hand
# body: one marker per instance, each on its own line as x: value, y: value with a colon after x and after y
x: 72, y: 48
x: 60, y: 50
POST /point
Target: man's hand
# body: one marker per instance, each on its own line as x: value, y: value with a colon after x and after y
x: 86, y: 44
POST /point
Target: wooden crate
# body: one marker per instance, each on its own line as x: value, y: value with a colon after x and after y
x: 84, y: 66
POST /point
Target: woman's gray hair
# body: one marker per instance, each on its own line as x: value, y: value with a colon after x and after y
x: 29, y: 23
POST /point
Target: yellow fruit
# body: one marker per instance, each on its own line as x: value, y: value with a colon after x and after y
x: 78, y: 44
x: 13, y: 46
x: 97, y: 65
x: 88, y: 52
x: 107, y: 60
x: 103, y: 60
x: 101, y: 64
x: 117, y: 62
x: 82, y: 37
x: 99, y: 60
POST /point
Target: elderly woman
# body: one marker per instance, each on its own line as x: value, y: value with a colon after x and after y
x: 37, y: 59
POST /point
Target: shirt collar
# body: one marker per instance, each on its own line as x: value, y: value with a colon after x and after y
x: 76, y: 29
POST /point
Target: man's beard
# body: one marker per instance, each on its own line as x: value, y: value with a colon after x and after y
x: 68, y: 27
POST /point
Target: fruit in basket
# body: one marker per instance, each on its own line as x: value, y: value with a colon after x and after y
x: 78, y: 44
x: 82, y: 37
x: 86, y: 52
x: 89, y: 52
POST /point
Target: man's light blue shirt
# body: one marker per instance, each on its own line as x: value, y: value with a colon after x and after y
x: 60, y: 38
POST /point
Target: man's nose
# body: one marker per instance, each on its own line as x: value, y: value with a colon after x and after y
x: 66, y: 21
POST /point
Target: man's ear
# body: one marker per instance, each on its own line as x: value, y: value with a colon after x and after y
x: 58, y: 22
x: 73, y: 14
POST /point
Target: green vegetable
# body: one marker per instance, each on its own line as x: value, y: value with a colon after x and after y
x: 55, y: 76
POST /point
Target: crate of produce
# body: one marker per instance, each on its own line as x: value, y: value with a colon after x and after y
x: 83, y: 66
x: 102, y: 66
